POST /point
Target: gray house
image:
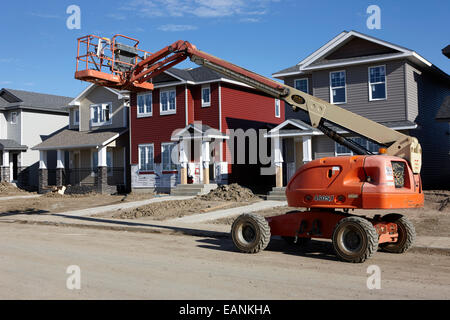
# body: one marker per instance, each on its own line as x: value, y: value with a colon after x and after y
x: 379, y: 80
x: 27, y: 118
x: 93, y: 151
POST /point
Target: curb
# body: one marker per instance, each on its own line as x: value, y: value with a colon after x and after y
x: 162, y: 230
x: 172, y: 230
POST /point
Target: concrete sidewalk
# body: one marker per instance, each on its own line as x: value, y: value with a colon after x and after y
x: 219, y: 214
x: 19, y: 197
x: 125, y: 205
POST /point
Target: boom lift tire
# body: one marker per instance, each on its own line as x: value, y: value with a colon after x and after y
x: 250, y: 233
x: 406, y: 234
x: 355, y: 239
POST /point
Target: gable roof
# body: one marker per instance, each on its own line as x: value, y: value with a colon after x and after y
x: 11, y: 98
x: 92, y: 86
x: 316, y: 60
x: 444, y: 112
x: 74, y: 139
x: 193, y: 76
x: 446, y: 51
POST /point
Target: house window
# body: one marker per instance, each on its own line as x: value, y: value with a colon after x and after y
x: 337, y: 87
x: 101, y: 114
x: 144, y: 104
x: 341, y: 150
x: 206, y: 96
x: 377, y: 83
x: 76, y: 117
x: 13, y: 118
x: 166, y: 157
x: 168, y: 102
x: 302, y: 85
x: 146, y: 158
x: 277, y: 108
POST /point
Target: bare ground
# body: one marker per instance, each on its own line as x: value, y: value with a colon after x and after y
x: 54, y: 203
x: 172, y: 209
x: 8, y: 190
x: 431, y: 220
x: 127, y: 265
x: 224, y: 197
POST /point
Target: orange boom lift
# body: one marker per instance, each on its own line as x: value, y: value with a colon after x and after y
x: 327, y: 188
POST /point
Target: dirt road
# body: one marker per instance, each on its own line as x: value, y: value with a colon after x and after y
x: 125, y: 265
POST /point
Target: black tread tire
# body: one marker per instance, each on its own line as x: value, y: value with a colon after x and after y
x: 407, y: 234
x: 369, y: 237
x: 261, y: 228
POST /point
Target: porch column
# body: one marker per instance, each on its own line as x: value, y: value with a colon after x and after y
x: 5, y: 173
x: 278, y: 159
x: 59, y: 167
x: 307, y: 149
x: 43, y: 171
x: 101, y: 178
x: 206, y: 160
x: 183, y: 161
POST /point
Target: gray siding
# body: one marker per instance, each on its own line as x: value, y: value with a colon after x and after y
x: 433, y: 136
x: 13, y: 131
x: 391, y: 109
x: 322, y: 147
x: 102, y: 95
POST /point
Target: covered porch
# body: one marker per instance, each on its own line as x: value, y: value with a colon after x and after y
x: 200, y: 165
x: 10, y: 161
x: 291, y: 148
x: 85, y: 161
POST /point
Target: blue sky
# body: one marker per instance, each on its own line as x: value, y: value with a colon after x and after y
x: 37, y: 50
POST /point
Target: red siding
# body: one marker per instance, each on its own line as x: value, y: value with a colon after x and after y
x: 157, y: 128
x: 246, y: 104
x: 208, y: 115
x: 239, y: 106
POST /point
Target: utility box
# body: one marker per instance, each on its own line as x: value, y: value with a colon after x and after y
x: 125, y: 57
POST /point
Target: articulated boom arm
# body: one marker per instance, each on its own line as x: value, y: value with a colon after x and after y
x: 397, y: 144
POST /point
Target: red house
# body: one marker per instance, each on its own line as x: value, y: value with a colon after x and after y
x: 180, y: 131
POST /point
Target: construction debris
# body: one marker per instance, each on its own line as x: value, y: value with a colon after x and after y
x: 8, y: 188
x: 231, y: 192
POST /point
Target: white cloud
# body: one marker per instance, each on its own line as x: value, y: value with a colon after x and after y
x: 249, y: 20
x: 5, y: 82
x: 176, y: 27
x: 198, y: 8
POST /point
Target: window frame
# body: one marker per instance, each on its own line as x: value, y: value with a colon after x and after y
x: 277, y: 105
x: 336, y: 154
x: 163, y: 144
x: 146, y: 145
x: 168, y: 111
x: 15, y: 117
x: 307, y: 84
x: 370, y: 83
x: 100, y: 123
x: 345, y: 87
x: 206, y: 104
x: 145, y: 113
x: 75, y: 122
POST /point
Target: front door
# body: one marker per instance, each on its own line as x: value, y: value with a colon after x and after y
x: 15, y: 159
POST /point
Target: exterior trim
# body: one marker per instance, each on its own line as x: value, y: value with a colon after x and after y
x: 385, y: 83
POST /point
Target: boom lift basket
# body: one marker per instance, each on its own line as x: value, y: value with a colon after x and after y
x: 106, y: 61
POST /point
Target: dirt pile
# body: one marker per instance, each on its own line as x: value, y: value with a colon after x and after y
x: 167, y: 209
x: 7, y: 188
x: 231, y: 192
